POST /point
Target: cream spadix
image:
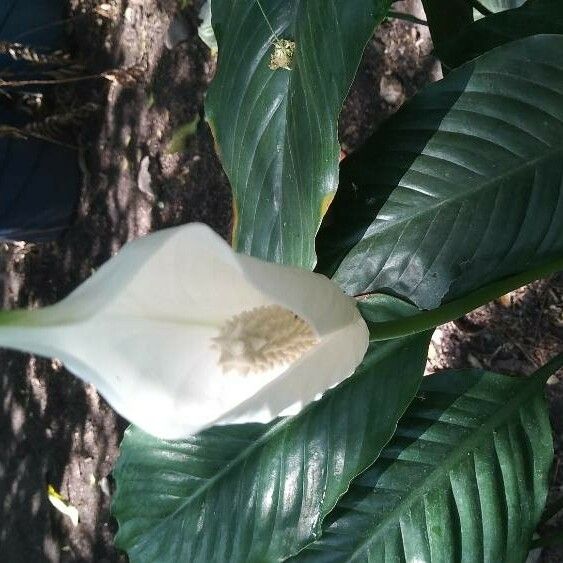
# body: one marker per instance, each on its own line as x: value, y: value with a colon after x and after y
x: 178, y: 332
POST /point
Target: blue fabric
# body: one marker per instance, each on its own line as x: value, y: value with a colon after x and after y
x: 39, y: 181
x: 22, y: 16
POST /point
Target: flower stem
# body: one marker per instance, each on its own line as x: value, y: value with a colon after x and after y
x: 426, y: 320
x: 480, y: 8
x: 29, y: 330
x: 545, y: 372
x: 15, y: 317
x: 406, y: 17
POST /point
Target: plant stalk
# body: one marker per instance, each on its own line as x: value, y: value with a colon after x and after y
x: 480, y: 8
x: 406, y: 17
x: 426, y: 320
x: 547, y: 370
x: 34, y: 331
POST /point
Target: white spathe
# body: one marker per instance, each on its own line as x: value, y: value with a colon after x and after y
x: 142, y: 330
x: 205, y: 29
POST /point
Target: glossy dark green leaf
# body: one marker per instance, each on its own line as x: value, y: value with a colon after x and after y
x: 276, y: 130
x: 465, y: 478
x: 533, y: 18
x: 447, y: 21
x: 462, y: 187
x: 415, y: 321
x: 260, y: 492
x: 501, y: 5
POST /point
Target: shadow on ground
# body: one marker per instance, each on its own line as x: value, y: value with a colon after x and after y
x: 54, y: 430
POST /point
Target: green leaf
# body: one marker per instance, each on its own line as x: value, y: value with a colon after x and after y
x: 550, y: 540
x: 502, y: 5
x: 445, y: 22
x: 465, y: 477
x: 260, y: 492
x: 415, y: 321
x: 462, y: 187
x: 276, y: 130
x: 534, y: 17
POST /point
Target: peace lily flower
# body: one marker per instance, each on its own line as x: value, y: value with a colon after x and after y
x: 178, y: 332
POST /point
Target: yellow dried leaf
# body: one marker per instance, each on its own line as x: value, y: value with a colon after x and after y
x: 62, y: 505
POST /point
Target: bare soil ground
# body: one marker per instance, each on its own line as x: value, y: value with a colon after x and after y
x: 55, y: 430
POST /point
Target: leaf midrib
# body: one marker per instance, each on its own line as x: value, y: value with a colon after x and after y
x: 464, y: 195
x: 528, y: 392
x: 276, y: 428
x: 286, y: 144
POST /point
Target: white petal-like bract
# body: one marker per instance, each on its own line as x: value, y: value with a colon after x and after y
x: 205, y: 30
x: 157, y: 326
